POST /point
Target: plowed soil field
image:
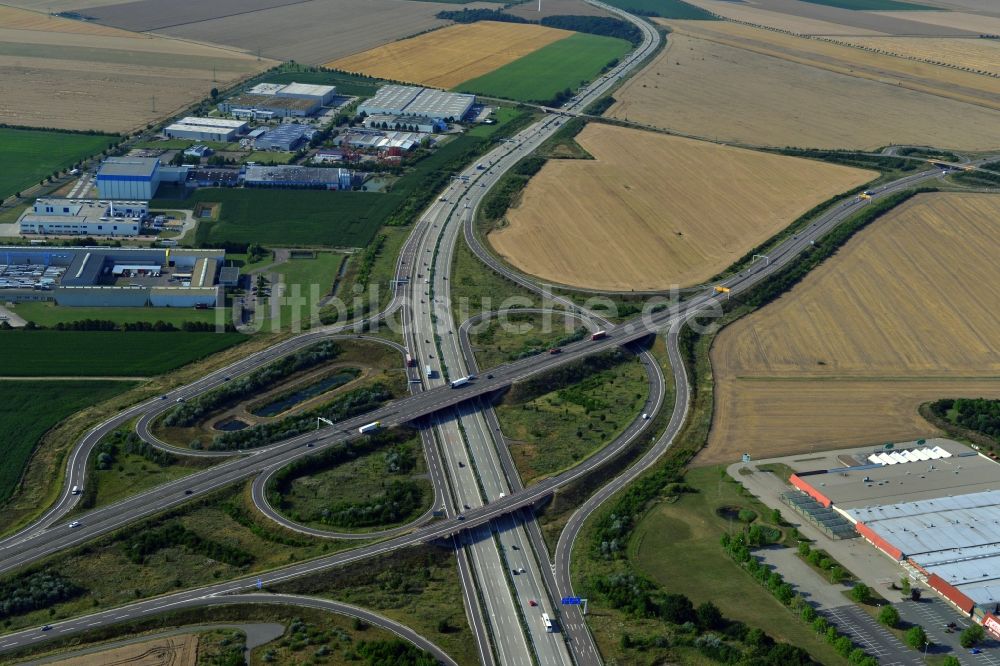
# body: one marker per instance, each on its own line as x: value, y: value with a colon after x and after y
x: 75, y: 75
x: 906, y: 312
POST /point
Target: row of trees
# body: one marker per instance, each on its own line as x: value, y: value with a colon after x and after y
x: 148, y: 542
x: 703, y: 627
x: 400, y: 501
x: 192, y: 411
x: 158, y: 326
x: 739, y: 550
x: 979, y: 414
x: 30, y: 592
x: 345, y: 406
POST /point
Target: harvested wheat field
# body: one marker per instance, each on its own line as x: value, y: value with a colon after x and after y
x: 715, y: 90
x: 654, y: 210
x: 981, y: 55
x: 76, y: 75
x: 801, y: 25
x: 12, y: 18
x: 447, y: 57
x: 168, y: 651
x: 974, y: 23
x: 906, y: 312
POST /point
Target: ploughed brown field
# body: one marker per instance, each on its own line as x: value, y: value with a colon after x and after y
x: 905, y: 313
x: 313, y: 32
x: 653, y: 210
x: 450, y: 56
x: 737, y: 83
x: 75, y: 75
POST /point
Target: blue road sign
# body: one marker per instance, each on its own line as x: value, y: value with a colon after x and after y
x: 260, y: 584
x: 571, y: 601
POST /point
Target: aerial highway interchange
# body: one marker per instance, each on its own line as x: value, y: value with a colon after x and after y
x: 472, y: 473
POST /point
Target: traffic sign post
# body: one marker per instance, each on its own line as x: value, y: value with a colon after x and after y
x: 260, y: 584
x: 575, y: 601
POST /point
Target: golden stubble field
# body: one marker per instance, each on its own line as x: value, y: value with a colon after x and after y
x: 446, y: 57
x: 654, y: 210
x: 742, y: 84
x: 905, y: 313
x: 976, y: 54
x: 168, y: 651
x: 76, y: 75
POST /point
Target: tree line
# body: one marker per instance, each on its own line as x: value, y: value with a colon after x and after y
x: 400, y: 500
x: 34, y: 591
x: 350, y: 404
x: 703, y: 627
x: 979, y: 414
x: 142, y: 545
x: 191, y: 412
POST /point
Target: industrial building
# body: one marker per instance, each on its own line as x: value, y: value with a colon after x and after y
x: 131, y: 178
x: 268, y: 107
x: 287, y: 137
x: 404, y: 123
x: 290, y: 176
x: 83, y: 217
x: 933, y: 507
x: 206, y: 129
x: 376, y: 140
x: 319, y: 93
x: 437, y: 105
x: 111, y: 277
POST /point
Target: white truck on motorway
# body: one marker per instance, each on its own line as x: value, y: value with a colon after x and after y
x: 461, y: 381
x: 370, y: 427
x: 429, y: 371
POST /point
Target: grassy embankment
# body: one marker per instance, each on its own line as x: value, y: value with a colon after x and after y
x: 341, y: 491
x: 417, y: 586
x: 556, y: 421
x: 338, y: 633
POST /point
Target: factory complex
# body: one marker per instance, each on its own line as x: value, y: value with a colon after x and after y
x: 933, y: 506
x: 290, y: 176
x: 418, y: 103
x: 110, y: 277
x: 206, y: 129
x: 83, y: 217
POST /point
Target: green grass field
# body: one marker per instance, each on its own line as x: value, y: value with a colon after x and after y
x: 675, y: 9
x: 100, y: 353
x: 308, y: 279
x: 290, y: 217
x: 29, y: 408
x: 356, y: 481
x: 28, y: 156
x: 539, y: 76
x: 268, y: 156
x: 559, y: 429
x: 677, y: 545
x: 524, y: 335
x: 47, y: 313
x: 872, y: 5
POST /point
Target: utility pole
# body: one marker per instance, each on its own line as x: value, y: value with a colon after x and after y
x: 154, y: 103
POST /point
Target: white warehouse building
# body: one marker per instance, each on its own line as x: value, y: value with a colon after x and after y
x: 131, y: 178
x: 206, y: 129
